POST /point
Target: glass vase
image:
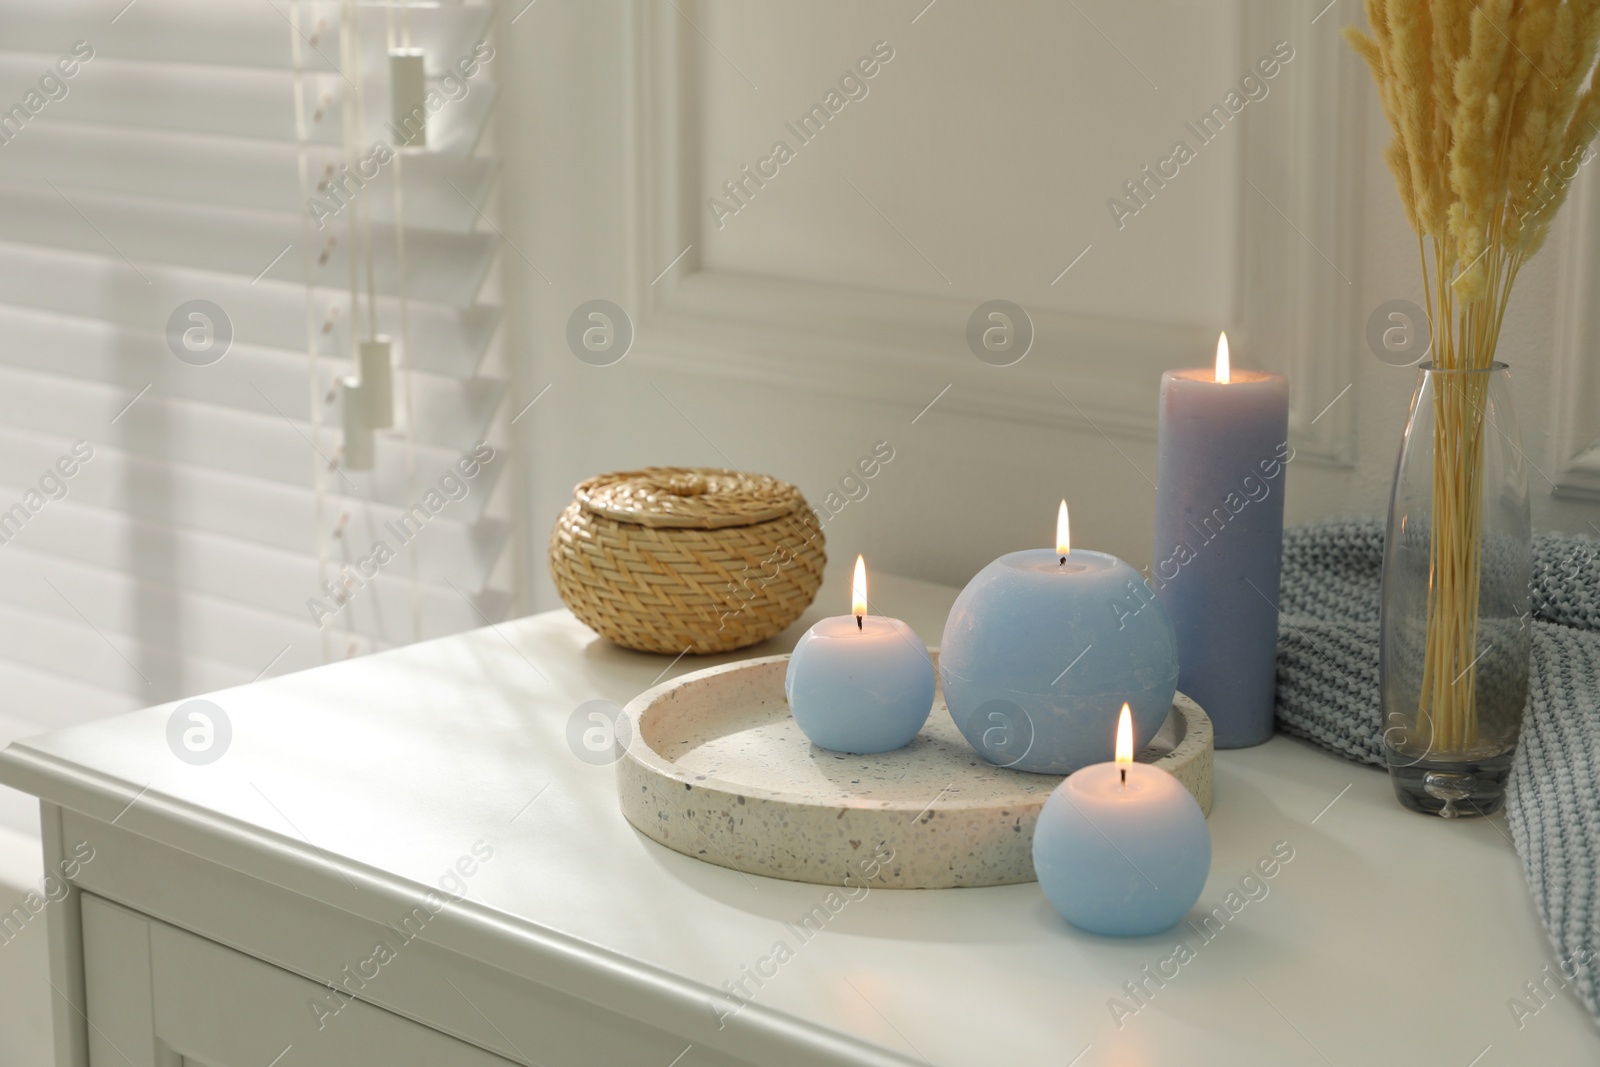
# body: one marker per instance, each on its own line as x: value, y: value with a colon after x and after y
x: 1458, y: 561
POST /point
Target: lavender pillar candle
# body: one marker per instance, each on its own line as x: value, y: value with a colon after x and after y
x: 1223, y: 448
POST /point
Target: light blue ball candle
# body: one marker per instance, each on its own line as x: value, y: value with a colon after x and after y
x: 1123, y: 858
x: 1042, y: 649
x: 860, y: 683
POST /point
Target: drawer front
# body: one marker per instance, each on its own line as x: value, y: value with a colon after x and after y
x: 161, y: 997
x: 555, y: 1013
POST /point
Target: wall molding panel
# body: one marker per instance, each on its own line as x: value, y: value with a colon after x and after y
x: 1297, y: 280
x: 1301, y: 210
x: 1577, y: 376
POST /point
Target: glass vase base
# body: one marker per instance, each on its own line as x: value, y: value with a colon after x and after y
x: 1449, y: 789
x: 1455, y: 646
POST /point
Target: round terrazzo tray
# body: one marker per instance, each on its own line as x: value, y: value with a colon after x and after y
x: 717, y: 770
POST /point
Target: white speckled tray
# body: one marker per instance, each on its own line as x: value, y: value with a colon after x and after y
x: 717, y: 770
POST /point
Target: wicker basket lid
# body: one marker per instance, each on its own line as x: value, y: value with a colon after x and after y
x: 703, y: 498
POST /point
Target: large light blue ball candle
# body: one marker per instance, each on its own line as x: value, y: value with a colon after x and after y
x: 1122, y: 857
x: 1042, y: 649
x: 860, y: 683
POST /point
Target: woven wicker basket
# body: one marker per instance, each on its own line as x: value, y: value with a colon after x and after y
x: 669, y: 559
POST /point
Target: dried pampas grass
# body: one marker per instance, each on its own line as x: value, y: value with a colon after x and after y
x: 1493, y: 104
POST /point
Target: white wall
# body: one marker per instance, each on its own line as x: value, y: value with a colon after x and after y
x: 963, y: 487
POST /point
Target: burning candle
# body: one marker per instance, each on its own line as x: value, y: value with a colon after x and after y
x: 1223, y: 447
x: 1122, y: 848
x: 860, y: 683
x: 1041, y: 649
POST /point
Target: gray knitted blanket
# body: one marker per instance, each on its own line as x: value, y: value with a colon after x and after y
x: 1328, y: 694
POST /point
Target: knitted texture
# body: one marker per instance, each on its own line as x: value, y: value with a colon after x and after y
x: 1328, y: 694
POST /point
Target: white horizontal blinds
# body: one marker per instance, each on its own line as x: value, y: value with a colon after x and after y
x: 149, y: 157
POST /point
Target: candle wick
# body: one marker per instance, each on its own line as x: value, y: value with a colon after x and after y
x: 1063, y: 561
x: 1124, y: 775
x: 859, y: 624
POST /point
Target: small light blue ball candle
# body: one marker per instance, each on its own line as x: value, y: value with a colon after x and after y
x: 860, y: 683
x: 1122, y: 849
x: 1042, y: 649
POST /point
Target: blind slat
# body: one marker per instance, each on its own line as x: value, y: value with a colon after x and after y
x: 450, y: 268
x: 445, y: 340
x: 252, y: 445
x: 231, y: 33
x: 70, y: 651
x: 136, y: 615
x: 462, y: 541
x: 450, y: 413
x: 258, y: 576
x: 244, y: 174
x: 231, y: 102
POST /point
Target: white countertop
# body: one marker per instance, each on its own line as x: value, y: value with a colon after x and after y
x: 1387, y: 938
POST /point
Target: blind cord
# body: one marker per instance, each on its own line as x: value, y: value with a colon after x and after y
x: 308, y: 255
x: 405, y: 325
x: 365, y: 206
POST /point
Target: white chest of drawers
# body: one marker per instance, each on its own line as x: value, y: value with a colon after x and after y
x: 286, y: 904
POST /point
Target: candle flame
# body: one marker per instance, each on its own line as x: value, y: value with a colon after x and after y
x: 1063, y: 531
x: 1125, y: 736
x: 1224, y: 371
x: 858, y: 605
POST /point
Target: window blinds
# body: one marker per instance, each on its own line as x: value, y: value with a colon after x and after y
x: 162, y: 532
